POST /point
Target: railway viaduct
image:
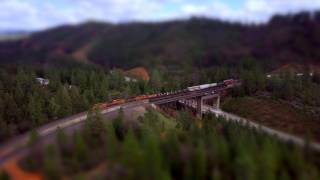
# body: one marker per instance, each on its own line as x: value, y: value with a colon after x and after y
x: 195, y: 98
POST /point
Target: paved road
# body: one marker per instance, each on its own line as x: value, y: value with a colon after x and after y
x: 279, y: 134
x: 17, y: 146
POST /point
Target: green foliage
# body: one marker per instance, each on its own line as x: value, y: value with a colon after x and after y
x: 288, y: 87
x: 118, y: 125
x: 4, y: 176
x: 34, y: 137
x: 111, y: 144
x: 81, y: 154
x: 155, y: 80
x: 184, y: 120
x: 52, y: 167
x: 95, y: 128
x: 132, y: 157
x: 26, y: 104
x: 217, y: 150
x: 63, y: 99
x: 35, y: 110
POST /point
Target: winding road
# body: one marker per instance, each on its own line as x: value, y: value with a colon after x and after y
x: 17, y: 146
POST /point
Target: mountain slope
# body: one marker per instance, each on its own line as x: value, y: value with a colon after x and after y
x: 195, y: 42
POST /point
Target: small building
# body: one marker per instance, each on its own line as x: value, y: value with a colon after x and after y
x: 42, y: 81
x: 129, y: 79
x: 299, y: 74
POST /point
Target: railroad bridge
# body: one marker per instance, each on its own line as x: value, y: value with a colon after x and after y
x: 195, y: 96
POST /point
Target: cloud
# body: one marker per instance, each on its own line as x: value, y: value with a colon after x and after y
x: 38, y: 14
x: 251, y: 10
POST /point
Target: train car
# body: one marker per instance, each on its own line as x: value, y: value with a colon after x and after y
x: 193, y: 88
x: 117, y: 102
x: 144, y: 97
x: 109, y: 104
x: 123, y: 101
x: 231, y: 82
x: 140, y: 98
x: 213, y: 84
x: 152, y: 96
x: 203, y: 86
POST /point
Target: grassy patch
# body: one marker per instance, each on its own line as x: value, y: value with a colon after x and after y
x: 274, y: 114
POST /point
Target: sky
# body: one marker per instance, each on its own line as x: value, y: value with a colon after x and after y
x: 41, y: 14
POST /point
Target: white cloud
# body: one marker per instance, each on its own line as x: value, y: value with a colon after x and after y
x: 37, y: 14
x: 251, y: 10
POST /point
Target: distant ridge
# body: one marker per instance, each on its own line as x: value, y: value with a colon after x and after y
x: 13, y: 34
x: 196, y: 42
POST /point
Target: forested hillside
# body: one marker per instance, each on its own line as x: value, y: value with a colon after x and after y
x: 176, y: 44
x: 156, y: 147
x: 25, y: 103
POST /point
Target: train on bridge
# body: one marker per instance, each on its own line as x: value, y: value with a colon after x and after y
x: 225, y: 84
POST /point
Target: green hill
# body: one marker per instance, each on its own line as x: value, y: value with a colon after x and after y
x: 199, y: 42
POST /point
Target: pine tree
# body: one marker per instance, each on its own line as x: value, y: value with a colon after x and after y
x: 153, y: 157
x: 132, y: 157
x: 200, y: 164
x: 118, y: 125
x: 53, y: 108
x: 62, y: 141
x: 112, y: 143
x: 11, y: 109
x: 63, y: 99
x: 35, y: 111
x: 89, y: 96
x: 52, y: 166
x: 155, y: 80
x: 94, y: 128
x: 34, y: 137
x: 184, y: 120
x: 81, y: 151
x: 79, y: 103
x: 102, y: 89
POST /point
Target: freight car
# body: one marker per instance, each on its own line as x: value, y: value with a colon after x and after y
x: 116, y: 102
x: 203, y: 86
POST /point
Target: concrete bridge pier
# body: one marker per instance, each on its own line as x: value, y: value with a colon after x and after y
x: 218, y: 102
x: 215, y: 100
x: 199, y: 107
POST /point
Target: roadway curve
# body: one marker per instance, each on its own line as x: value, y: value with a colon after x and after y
x: 17, y: 147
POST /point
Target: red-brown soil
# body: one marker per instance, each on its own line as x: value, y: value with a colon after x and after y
x: 16, y: 173
x: 138, y: 72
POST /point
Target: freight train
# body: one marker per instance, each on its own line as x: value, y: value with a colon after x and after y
x: 225, y: 84
x: 116, y: 102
